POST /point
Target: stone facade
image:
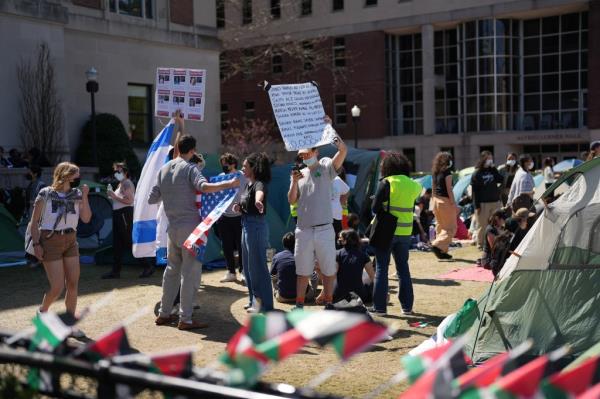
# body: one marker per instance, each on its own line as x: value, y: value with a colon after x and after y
x: 124, y: 49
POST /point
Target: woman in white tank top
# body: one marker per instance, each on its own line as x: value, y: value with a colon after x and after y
x: 56, y: 212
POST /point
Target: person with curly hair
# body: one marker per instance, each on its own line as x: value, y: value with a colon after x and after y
x: 444, y: 205
x: 255, y: 231
x: 397, y: 192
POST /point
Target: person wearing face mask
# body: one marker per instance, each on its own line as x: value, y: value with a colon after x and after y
x: 523, y: 182
x: 56, y: 213
x: 444, y: 205
x: 229, y: 225
x: 486, y: 187
x: 508, y: 171
x: 310, y: 189
x: 122, y: 199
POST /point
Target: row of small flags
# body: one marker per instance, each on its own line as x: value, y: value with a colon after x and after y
x: 266, y: 339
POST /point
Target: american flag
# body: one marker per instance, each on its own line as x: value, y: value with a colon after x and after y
x: 212, y: 206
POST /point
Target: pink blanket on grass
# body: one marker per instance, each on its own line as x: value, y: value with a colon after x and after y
x: 469, y: 274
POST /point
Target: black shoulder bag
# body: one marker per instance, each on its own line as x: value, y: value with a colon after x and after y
x: 381, y: 230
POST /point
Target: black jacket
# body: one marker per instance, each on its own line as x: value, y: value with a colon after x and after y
x: 486, y: 184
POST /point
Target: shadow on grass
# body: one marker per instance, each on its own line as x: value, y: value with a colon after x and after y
x: 435, y: 282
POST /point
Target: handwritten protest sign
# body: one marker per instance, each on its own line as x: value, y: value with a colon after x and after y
x: 180, y: 89
x: 299, y: 114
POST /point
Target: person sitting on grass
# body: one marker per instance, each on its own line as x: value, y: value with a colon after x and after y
x: 495, y: 226
x: 351, y: 260
x: 283, y: 273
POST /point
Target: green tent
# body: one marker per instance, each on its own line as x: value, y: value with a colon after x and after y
x: 549, y: 292
x: 11, y: 240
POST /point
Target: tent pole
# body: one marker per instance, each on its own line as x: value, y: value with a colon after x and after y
x: 481, y: 318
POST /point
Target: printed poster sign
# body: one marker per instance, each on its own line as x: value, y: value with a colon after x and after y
x: 180, y: 89
x: 299, y: 113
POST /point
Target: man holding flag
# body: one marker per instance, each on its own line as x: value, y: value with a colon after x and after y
x: 176, y: 186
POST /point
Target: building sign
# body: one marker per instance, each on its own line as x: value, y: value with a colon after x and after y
x: 299, y: 113
x: 538, y: 137
x: 180, y: 89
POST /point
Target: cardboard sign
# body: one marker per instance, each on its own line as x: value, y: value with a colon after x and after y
x: 180, y: 89
x: 299, y: 113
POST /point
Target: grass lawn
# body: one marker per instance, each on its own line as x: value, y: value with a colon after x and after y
x: 221, y: 305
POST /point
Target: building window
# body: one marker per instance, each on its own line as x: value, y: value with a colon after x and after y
x: 404, y: 84
x: 490, y: 82
x: 133, y: 8
x: 306, y: 7
x: 246, y: 12
x: 369, y: 3
x: 247, y: 59
x: 249, y: 111
x: 220, y: 13
x: 275, y: 9
x: 224, y: 116
x: 489, y: 148
x: 339, y: 52
x: 411, y: 155
x: 338, y: 5
x: 447, y: 87
x: 140, y: 113
x: 277, y: 63
x: 308, y: 56
x: 340, y: 109
x: 555, y: 72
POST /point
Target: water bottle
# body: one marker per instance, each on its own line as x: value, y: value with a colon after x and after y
x: 109, y: 188
x: 431, y: 233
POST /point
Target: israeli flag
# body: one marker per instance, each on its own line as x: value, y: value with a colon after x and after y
x: 145, y: 215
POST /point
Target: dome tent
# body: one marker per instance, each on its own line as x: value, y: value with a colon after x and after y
x: 548, y: 291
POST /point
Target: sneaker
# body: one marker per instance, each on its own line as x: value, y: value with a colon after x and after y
x: 437, y: 252
x: 251, y: 310
x: 298, y: 306
x: 445, y: 256
x: 329, y: 306
x: 243, y: 279
x: 407, y: 312
x: 247, y: 306
x: 193, y: 325
x: 229, y: 278
x: 376, y: 312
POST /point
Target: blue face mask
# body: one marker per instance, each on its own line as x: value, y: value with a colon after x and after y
x: 310, y: 161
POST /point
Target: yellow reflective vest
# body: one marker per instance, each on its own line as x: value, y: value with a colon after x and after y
x: 294, y: 210
x: 403, y: 193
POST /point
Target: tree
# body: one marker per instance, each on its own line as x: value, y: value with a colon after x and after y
x: 254, y: 135
x: 40, y: 107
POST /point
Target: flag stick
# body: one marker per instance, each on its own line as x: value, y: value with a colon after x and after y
x: 325, y: 375
x: 145, y: 357
x: 134, y: 317
x: 20, y: 335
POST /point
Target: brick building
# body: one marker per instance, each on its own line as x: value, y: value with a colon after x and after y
x: 457, y: 75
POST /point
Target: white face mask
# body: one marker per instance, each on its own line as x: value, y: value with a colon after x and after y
x: 119, y: 176
x: 310, y: 161
x: 450, y: 164
x: 511, y: 162
x: 489, y: 163
x: 530, y: 165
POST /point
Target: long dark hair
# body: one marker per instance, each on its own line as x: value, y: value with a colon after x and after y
x: 351, y: 239
x: 482, y: 159
x: 395, y: 163
x: 261, y: 166
x: 440, y: 162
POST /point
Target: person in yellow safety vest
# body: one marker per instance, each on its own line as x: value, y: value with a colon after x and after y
x: 294, y: 212
x: 399, y: 191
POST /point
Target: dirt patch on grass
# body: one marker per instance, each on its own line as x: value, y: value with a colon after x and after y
x: 221, y: 305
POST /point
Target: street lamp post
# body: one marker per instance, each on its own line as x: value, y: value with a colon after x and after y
x: 92, y: 88
x: 355, y: 118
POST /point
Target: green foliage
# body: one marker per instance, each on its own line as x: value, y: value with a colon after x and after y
x: 10, y: 388
x: 113, y: 145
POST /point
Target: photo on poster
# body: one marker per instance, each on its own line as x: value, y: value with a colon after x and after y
x: 180, y: 89
x: 163, y: 103
x: 179, y: 79
x: 163, y: 78
x: 195, y: 107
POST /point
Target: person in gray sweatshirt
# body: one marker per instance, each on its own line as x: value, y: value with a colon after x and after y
x: 177, y: 184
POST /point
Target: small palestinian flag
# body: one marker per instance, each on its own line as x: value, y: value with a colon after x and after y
x: 484, y: 375
x: 51, y: 330
x: 357, y: 338
x: 282, y: 346
x: 263, y: 327
x: 523, y: 382
x: 416, y: 365
x: 177, y: 364
x: 419, y: 324
x: 113, y: 343
x: 321, y: 327
x: 572, y: 382
x: 236, y: 345
x: 592, y: 393
x: 437, y: 383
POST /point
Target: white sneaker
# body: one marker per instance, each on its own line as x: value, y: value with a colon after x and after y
x: 229, y: 278
x: 252, y: 309
x: 243, y: 279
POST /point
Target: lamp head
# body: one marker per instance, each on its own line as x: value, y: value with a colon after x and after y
x: 355, y: 111
x: 91, y: 74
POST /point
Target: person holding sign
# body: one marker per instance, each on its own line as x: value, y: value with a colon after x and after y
x: 310, y: 189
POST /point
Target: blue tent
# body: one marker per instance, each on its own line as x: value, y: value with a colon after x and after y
x: 567, y: 164
x: 424, y: 181
x: 461, y: 186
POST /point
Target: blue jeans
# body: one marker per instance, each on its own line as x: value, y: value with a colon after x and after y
x: 255, y: 236
x: 399, y: 248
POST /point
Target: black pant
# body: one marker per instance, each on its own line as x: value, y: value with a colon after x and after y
x: 230, y: 233
x: 122, y: 227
